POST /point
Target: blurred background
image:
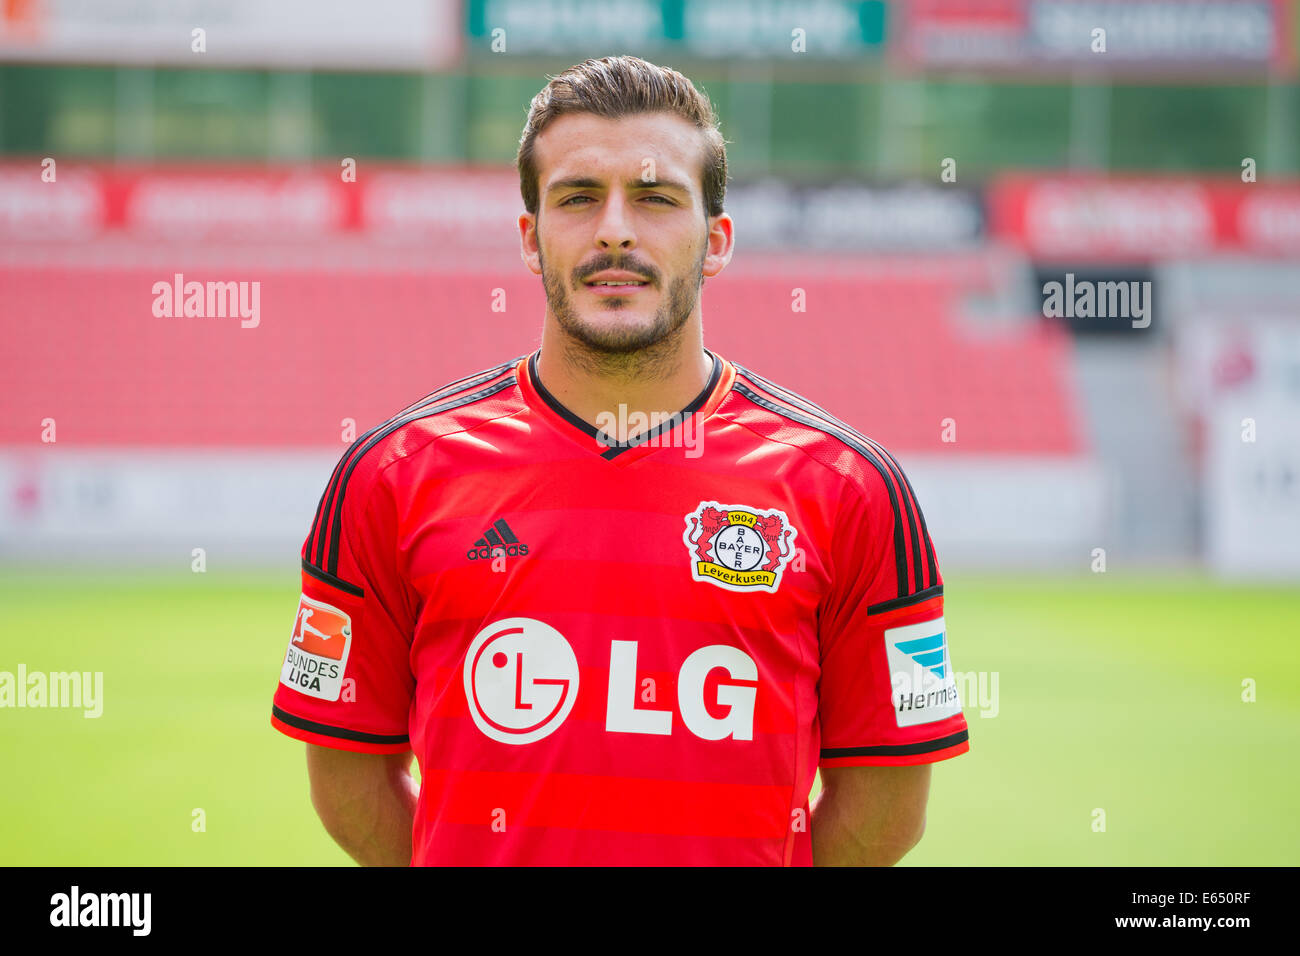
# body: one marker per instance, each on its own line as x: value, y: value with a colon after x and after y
x: 1115, y: 497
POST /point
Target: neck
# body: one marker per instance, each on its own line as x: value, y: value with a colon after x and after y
x: 661, y: 379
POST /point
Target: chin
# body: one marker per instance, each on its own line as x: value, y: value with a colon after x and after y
x: 619, y: 336
x: 618, y: 341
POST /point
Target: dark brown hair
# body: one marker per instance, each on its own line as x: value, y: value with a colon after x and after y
x: 617, y: 86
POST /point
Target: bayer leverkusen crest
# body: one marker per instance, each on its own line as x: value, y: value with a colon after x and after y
x: 738, y: 547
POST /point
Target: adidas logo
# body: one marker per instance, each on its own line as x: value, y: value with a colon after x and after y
x: 497, y: 536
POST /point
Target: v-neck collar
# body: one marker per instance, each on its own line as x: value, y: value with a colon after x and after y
x: 591, y: 437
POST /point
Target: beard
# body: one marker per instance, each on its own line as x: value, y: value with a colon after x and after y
x: 624, y: 348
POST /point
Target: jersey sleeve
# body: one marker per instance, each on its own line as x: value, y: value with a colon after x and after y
x: 888, y: 695
x: 345, y: 678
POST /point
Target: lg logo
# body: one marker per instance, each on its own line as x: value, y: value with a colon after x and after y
x: 521, y: 680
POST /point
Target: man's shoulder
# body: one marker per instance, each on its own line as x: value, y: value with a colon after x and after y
x: 783, y: 415
x: 354, y: 484
x: 465, y: 392
x: 452, y: 407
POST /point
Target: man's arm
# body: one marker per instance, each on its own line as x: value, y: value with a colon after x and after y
x: 869, y: 816
x: 366, y: 801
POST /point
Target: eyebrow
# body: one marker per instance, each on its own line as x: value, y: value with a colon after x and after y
x: 586, y: 182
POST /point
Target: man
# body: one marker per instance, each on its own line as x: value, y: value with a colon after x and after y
x: 610, y: 633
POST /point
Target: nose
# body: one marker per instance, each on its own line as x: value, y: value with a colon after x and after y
x: 614, y: 230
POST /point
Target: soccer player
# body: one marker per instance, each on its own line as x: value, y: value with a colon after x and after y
x: 620, y: 597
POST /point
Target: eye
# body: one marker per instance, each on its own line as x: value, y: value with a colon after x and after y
x: 663, y: 199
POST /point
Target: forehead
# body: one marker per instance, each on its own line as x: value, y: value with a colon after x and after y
x: 582, y: 144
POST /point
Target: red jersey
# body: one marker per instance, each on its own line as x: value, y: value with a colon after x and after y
x: 619, y: 653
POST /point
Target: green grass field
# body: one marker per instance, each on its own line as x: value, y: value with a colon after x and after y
x: 1116, y: 692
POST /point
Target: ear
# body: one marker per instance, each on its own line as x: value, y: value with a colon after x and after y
x: 721, y: 244
x: 529, y: 249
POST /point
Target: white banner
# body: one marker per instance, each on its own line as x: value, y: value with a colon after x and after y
x: 131, y: 504
x: 1252, y: 500
x: 376, y: 34
x: 1014, y: 511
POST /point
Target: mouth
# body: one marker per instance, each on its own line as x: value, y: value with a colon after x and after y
x: 616, y: 287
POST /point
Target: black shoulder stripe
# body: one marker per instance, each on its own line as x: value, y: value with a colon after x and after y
x: 900, y: 549
x: 932, y: 565
x: 336, y: 521
x: 909, y: 506
x: 469, y: 381
x: 806, y: 403
x: 920, y: 542
x: 913, y: 510
x: 327, y: 496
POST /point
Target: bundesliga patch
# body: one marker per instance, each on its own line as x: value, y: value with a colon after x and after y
x: 920, y: 672
x: 738, y: 547
x: 318, y: 650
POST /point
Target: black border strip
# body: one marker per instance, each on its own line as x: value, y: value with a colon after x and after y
x: 900, y: 547
x: 341, y: 732
x: 613, y: 451
x: 332, y: 580
x: 554, y: 403
x: 899, y: 750
x: 933, y: 591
